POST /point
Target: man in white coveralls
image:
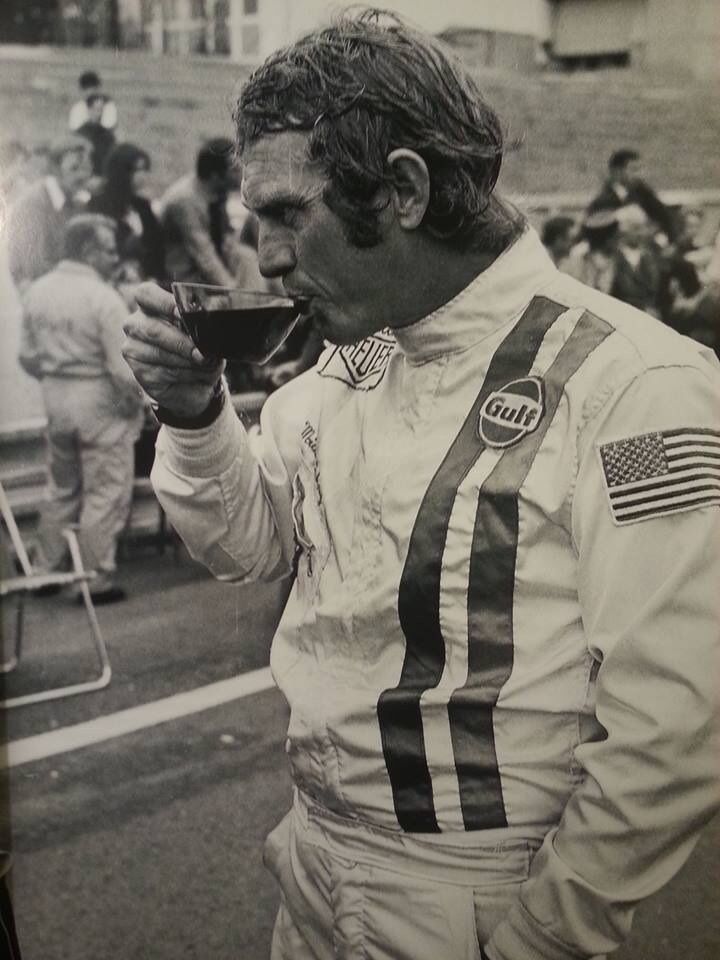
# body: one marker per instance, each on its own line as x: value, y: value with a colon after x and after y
x: 497, y: 494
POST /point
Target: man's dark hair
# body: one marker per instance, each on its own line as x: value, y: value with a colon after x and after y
x: 88, y: 79
x: 370, y: 84
x: 556, y: 227
x: 215, y: 156
x: 120, y: 165
x: 621, y: 158
x: 81, y: 231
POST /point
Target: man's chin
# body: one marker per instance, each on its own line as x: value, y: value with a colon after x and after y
x: 338, y: 329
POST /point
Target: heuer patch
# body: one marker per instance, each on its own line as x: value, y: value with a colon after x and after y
x: 360, y: 365
x: 512, y: 412
x: 654, y: 474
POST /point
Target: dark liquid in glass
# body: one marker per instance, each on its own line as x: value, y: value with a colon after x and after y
x: 250, y: 335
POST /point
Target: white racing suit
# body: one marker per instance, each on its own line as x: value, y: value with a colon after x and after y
x: 502, y: 631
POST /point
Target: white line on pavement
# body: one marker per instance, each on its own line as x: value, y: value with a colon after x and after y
x: 136, y: 718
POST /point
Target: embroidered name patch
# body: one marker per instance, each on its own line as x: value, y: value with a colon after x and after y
x: 659, y: 473
x: 360, y: 365
x: 512, y: 412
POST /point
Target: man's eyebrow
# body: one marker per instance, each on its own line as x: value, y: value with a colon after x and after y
x: 274, y: 199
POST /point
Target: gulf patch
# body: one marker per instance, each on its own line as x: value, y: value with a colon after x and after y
x: 512, y: 412
x: 360, y: 365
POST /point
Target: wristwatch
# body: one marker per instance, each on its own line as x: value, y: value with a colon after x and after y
x: 209, y: 414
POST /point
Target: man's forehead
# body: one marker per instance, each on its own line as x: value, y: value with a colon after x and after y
x: 277, y: 165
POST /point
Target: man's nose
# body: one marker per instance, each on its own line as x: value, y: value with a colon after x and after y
x: 276, y: 255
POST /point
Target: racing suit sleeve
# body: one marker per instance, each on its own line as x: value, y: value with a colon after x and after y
x: 648, y: 595
x: 230, y: 499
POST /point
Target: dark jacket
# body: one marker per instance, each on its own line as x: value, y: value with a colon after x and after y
x: 102, y: 140
x: 637, y: 285
x: 645, y: 197
x: 148, y: 248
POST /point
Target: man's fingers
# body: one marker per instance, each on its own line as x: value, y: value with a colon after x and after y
x: 154, y: 301
x: 136, y: 350
x: 163, y: 335
x: 150, y: 374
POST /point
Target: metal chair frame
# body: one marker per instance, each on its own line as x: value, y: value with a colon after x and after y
x: 29, y: 582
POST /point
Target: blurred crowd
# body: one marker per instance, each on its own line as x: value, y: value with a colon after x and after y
x: 197, y: 230
x: 83, y: 230
x: 630, y: 245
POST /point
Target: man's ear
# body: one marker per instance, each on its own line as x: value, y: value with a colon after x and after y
x: 410, y: 193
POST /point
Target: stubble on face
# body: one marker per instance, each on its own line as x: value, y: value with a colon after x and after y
x: 305, y: 242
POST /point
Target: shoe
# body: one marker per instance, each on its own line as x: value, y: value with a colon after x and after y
x: 101, y: 597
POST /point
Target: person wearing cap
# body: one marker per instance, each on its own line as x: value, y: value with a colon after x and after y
x: 499, y: 649
x: 37, y: 219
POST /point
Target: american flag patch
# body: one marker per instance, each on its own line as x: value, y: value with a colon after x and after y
x: 659, y: 473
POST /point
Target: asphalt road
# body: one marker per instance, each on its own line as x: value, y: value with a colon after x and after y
x: 148, y: 845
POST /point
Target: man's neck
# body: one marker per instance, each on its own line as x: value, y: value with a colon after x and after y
x: 435, y: 275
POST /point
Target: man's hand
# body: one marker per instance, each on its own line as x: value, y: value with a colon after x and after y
x: 165, y: 361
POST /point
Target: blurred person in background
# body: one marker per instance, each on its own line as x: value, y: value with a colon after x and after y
x: 71, y: 339
x: 14, y: 157
x: 194, y: 218
x: 682, y: 263
x: 124, y: 197
x: 690, y: 291
x: 559, y: 235
x: 37, y: 219
x: 637, y: 261
x: 624, y: 185
x: 38, y: 162
x: 100, y: 138
x: 592, y: 259
x: 90, y: 83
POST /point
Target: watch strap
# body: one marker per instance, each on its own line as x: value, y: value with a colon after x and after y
x: 208, y: 416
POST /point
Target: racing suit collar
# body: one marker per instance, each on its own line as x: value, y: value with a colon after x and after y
x: 494, y: 297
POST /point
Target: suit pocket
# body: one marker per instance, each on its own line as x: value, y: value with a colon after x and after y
x: 499, y: 886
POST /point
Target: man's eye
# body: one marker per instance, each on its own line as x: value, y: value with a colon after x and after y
x: 287, y: 216
x: 283, y: 213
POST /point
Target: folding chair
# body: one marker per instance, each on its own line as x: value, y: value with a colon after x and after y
x: 29, y: 582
